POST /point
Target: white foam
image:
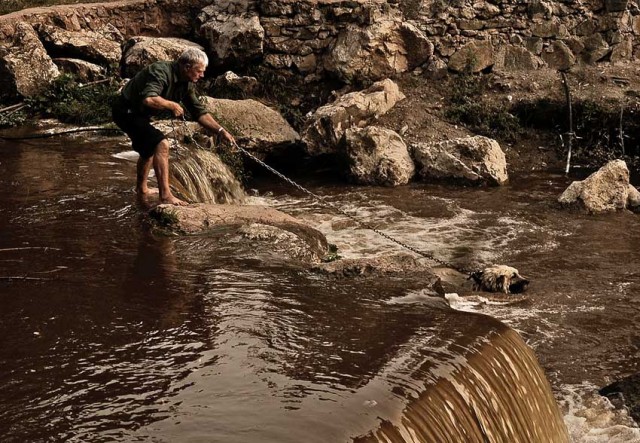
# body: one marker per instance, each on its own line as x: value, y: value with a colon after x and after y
x: 131, y: 156
x: 441, y: 237
x: 591, y: 418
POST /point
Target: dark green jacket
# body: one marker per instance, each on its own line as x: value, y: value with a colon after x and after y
x: 161, y: 79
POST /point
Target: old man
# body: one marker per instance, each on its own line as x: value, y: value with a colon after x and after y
x: 162, y: 87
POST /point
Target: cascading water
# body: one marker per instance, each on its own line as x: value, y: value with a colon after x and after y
x: 200, y: 176
x: 157, y: 338
x: 492, y: 392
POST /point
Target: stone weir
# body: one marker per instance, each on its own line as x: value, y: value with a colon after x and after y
x: 486, y: 388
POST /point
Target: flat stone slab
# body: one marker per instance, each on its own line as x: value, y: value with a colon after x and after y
x: 200, y: 218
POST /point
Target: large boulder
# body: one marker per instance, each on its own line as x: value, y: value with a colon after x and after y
x: 472, y: 57
x: 377, y: 156
x: 257, y: 127
x: 82, y: 70
x: 605, y: 190
x: 380, y: 50
x: 472, y: 160
x: 231, y: 83
x: 517, y: 58
x: 141, y: 51
x: 326, y: 126
x: 254, y: 223
x: 558, y: 56
x: 232, y: 32
x: 101, y: 46
x: 25, y: 67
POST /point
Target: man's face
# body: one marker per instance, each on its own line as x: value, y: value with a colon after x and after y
x: 195, y: 72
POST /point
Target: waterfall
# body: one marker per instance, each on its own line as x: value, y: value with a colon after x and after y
x: 493, y: 392
x: 199, y: 175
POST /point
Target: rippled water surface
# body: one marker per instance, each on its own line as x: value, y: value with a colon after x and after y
x: 113, y: 333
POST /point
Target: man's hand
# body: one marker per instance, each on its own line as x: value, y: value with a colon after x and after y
x: 226, y: 135
x: 217, y: 129
x: 176, y: 109
x: 159, y: 103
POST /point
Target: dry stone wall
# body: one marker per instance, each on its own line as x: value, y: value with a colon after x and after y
x: 527, y: 34
x: 131, y: 17
x: 361, y: 39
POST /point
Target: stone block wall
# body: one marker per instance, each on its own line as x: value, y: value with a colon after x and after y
x: 138, y: 17
x: 526, y: 34
x: 320, y: 37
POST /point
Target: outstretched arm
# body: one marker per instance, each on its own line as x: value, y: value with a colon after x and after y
x: 214, y: 127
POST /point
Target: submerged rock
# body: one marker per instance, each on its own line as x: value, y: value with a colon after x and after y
x: 256, y: 223
x: 625, y: 393
x: 605, y: 190
x: 398, y: 264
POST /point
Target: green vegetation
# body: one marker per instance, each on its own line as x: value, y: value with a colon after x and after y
x: 71, y: 102
x: 467, y: 105
x: 603, y: 130
x: 68, y: 101
x: 332, y: 254
x: 290, y: 94
x: 8, y: 6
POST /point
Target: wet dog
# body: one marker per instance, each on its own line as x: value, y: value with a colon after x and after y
x: 500, y: 278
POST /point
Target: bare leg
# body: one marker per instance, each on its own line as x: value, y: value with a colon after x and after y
x: 161, y: 166
x: 142, y: 174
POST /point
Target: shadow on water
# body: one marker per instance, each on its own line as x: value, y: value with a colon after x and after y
x: 112, y: 333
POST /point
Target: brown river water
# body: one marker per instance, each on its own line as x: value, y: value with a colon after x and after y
x: 109, y: 332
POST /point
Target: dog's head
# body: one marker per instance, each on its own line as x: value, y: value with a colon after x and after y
x: 518, y: 283
x: 500, y: 278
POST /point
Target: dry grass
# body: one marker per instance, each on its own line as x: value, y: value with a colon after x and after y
x: 7, y: 6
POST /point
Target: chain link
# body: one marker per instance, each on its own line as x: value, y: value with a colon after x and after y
x: 335, y: 207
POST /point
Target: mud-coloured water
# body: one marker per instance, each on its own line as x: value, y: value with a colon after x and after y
x: 112, y: 333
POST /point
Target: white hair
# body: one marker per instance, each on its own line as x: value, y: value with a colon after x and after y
x: 193, y: 56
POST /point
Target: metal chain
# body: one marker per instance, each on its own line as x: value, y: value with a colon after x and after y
x: 337, y: 208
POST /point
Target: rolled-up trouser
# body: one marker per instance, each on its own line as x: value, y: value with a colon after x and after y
x: 144, y: 137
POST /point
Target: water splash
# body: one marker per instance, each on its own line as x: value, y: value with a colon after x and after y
x: 591, y: 418
x: 200, y: 176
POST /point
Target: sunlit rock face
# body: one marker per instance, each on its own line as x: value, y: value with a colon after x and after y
x: 25, y: 67
x: 326, y: 126
x: 377, y: 156
x: 472, y: 160
x: 140, y: 51
x: 605, y: 190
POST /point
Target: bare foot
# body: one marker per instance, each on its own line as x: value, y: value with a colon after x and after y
x: 147, y: 191
x: 171, y: 200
